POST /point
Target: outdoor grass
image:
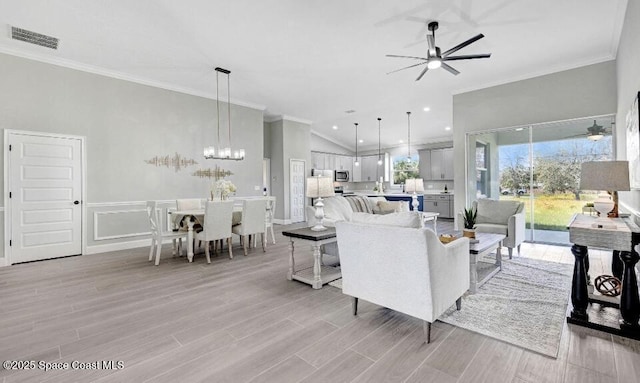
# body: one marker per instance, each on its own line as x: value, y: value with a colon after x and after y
x: 552, y: 211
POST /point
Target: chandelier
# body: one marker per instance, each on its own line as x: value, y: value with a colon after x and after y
x: 223, y: 153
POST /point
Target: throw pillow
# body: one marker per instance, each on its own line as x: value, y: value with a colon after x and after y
x: 388, y: 206
x: 402, y: 219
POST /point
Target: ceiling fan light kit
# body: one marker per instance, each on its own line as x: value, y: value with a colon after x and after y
x: 436, y: 59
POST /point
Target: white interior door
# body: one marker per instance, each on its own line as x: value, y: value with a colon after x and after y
x: 296, y: 194
x: 45, y: 195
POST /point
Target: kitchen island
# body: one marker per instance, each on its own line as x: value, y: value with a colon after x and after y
x: 434, y: 202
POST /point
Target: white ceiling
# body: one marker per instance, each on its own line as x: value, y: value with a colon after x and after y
x: 314, y: 60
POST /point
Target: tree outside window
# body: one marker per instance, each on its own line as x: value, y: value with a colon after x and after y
x: 405, y: 168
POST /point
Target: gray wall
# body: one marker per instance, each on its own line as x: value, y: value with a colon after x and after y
x: 628, y: 66
x: 319, y: 144
x: 125, y: 124
x: 580, y: 92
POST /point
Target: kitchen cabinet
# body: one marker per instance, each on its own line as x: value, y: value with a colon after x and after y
x: 356, y: 174
x: 424, y: 164
x: 436, y: 164
x: 442, y: 164
x: 369, y: 169
x: 317, y: 160
x: 439, y: 203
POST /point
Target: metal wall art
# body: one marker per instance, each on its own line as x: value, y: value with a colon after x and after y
x: 216, y: 173
x: 177, y: 162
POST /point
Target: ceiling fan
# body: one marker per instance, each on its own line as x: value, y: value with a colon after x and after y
x: 595, y: 132
x: 436, y: 59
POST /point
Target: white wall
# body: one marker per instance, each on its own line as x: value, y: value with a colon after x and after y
x: 580, y: 92
x: 125, y: 124
x: 628, y: 81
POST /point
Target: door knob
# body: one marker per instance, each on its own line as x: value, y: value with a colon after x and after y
x: 76, y: 202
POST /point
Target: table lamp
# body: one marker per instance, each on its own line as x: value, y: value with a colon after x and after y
x: 609, y: 176
x: 319, y: 187
x: 413, y: 185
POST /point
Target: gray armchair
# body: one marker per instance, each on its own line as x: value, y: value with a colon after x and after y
x: 501, y: 217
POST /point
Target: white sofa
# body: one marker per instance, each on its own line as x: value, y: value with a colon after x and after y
x: 405, y: 269
x: 501, y: 217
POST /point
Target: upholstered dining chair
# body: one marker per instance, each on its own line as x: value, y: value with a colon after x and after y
x: 218, y: 218
x: 158, y: 235
x: 252, y: 223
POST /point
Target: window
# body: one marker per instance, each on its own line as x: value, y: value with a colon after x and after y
x: 404, y: 168
x: 482, y: 181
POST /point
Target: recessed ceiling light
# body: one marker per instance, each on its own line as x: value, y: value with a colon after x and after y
x: 361, y: 141
x: 519, y: 129
x: 335, y: 127
x: 447, y: 128
x: 400, y: 141
x: 426, y: 109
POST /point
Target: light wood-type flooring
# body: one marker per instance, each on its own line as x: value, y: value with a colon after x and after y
x: 241, y: 320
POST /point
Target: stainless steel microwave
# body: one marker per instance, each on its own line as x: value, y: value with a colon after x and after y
x: 342, y: 176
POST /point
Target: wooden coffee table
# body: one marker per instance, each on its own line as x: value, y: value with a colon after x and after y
x: 318, y: 274
x: 481, y: 272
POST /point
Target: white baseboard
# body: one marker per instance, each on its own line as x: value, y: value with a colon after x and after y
x: 97, y: 249
x: 282, y: 221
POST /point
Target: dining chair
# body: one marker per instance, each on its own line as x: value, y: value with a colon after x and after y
x: 271, y: 211
x: 158, y: 235
x: 268, y: 219
x: 253, y: 217
x: 218, y: 218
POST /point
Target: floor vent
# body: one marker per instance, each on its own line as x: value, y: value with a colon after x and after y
x: 34, y: 38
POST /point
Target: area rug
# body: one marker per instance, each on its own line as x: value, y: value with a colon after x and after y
x: 525, y: 304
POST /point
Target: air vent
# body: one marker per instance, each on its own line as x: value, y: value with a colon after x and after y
x: 349, y: 111
x: 34, y: 38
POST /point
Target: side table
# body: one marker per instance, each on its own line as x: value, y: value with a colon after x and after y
x: 318, y: 274
x: 620, y: 235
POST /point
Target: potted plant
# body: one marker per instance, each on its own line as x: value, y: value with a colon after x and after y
x: 469, y: 216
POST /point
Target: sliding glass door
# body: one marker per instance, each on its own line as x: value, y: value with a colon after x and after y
x: 540, y: 166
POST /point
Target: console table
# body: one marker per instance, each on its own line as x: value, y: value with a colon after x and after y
x: 318, y: 274
x: 617, y: 234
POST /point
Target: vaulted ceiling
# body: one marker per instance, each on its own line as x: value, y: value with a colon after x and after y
x: 316, y: 60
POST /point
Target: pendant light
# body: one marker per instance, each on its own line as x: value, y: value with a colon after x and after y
x: 408, y: 136
x: 210, y: 152
x: 357, y: 163
x: 379, y: 154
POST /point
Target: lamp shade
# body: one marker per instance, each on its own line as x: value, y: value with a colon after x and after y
x: 319, y: 187
x: 605, y: 175
x: 413, y: 185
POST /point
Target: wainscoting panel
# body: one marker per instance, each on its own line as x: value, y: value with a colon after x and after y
x: 121, y: 225
x: 116, y: 224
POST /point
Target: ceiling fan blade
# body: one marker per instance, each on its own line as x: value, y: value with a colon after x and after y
x: 462, y: 45
x: 432, y: 44
x: 409, y: 57
x: 467, y: 57
x: 449, y: 69
x: 407, y: 67
x: 426, y: 68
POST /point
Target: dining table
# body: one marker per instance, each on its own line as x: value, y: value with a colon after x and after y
x: 191, y: 217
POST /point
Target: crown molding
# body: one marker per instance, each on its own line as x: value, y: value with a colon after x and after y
x: 296, y: 119
x: 120, y: 76
x: 548, y: 71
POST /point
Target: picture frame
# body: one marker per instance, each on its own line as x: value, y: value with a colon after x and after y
x: 633, y: 143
